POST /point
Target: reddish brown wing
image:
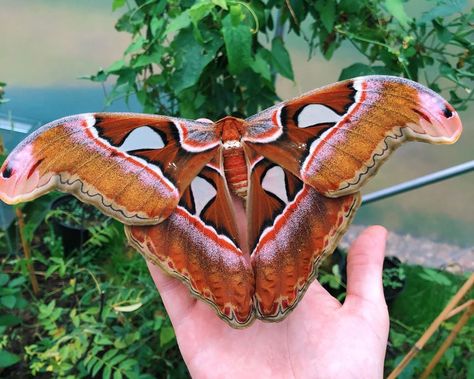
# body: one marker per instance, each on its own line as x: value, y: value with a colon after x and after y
x: 336, y: 137
x: 198, y: 245
x: 292, y: 228
x: 133, y: 167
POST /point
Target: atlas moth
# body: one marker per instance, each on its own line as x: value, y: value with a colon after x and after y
x: 297, y: 166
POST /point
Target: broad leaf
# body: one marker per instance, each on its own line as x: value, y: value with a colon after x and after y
x: 238, y: 44
x: 396, y: 9
x: 281, y: 59
x: 8, y: 359
x: 191, y: 59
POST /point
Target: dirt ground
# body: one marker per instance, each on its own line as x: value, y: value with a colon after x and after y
x: 422, y: 251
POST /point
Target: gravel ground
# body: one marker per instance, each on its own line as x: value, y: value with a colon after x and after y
x: 422, y: 251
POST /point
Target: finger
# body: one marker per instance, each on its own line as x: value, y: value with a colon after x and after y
x: 364, y: 266
x: 176, y: 297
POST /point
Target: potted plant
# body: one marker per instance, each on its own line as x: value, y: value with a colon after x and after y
x: 333, y: 276
x: 71, y: 220
x: 393, y: 277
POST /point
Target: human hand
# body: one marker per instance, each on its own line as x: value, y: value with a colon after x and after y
x: 320, y: 339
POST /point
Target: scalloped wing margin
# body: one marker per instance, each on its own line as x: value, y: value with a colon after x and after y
x: 118, y: 162
x: 336, y: 137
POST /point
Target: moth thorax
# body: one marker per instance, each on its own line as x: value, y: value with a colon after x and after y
x: 235, y: 168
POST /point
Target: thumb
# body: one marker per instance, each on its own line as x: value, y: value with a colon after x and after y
x: 364, y: 267
x: 174, y: 294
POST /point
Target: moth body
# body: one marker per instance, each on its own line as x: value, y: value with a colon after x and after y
x: 235, y: 166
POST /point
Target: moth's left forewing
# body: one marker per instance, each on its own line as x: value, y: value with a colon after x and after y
x: 336, y: 137
x: 292, y: 229
x: 133, y: 167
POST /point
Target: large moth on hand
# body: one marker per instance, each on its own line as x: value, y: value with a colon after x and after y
x: 297, y: 167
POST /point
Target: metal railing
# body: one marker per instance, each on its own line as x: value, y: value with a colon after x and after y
x: 422, y: 181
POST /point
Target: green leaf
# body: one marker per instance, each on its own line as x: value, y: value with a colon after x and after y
x: 200, y: 10
x: 8, y: 301
x: 118, y: 4
x: 397, y: 10
x: 116, y: 66
x: 3, y: 279
x: 8, y: 359
x: 238, y: 45
x: 178, y: 23
x: 97, y: 367
x: 155, y: 25
x: 136, y: 45
x: 448, y: 72
x: 117, y: 374
x: 191, y: 59
x: 109, y: 354
x: 107, y: 372
x: 128, y: 364
x: 17, y: 282
x: 444, y: 35
x: 145, y: 60
x: 127, y: 308
x: 435, y: 277
x: 281, y: 59
x: 261, y: 66
x: 166, y: 335
x: 9, y: 320
x: 328, y: 14
x: 118, y: 358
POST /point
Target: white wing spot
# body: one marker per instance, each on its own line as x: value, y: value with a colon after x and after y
x: 143, y: 137
x: 203, y: 193
x: 274, y: 182
x: 314, y: 114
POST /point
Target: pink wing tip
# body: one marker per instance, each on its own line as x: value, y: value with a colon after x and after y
x: 18, y: 176
x: 444, y: 126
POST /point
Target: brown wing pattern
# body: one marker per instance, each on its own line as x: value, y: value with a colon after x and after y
x: 133, y: 167
x: 163, y: 177
x: 294, y: 240
x: 197, y: 245
x: 336, y: 137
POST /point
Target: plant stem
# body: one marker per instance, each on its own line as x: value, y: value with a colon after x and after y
x: 26, y: 251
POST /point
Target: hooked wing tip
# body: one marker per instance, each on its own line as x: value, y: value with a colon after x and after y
x: 438, y: 118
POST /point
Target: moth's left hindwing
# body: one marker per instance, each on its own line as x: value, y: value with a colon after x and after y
x: 198, y: 244
x: 133, y: 167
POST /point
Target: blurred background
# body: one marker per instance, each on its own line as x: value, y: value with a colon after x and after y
x: 51, y: 44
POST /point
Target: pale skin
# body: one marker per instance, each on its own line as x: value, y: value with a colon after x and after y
x: 320, y: 339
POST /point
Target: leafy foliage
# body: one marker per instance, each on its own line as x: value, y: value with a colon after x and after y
x: 99, y: 314
x: 216, y: 57
x: 426, y: 294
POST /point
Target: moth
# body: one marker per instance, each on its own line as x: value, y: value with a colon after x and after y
x: 298, y: 168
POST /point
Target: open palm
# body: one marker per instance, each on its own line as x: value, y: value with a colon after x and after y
x: 320, y: 339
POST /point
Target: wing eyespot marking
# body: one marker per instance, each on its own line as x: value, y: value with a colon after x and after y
x: 7, y: 172
x: 273, y: 182
x: 448, y: 113
x: 203, y: 193
x: 314, y: 114
x: 142, y: 138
